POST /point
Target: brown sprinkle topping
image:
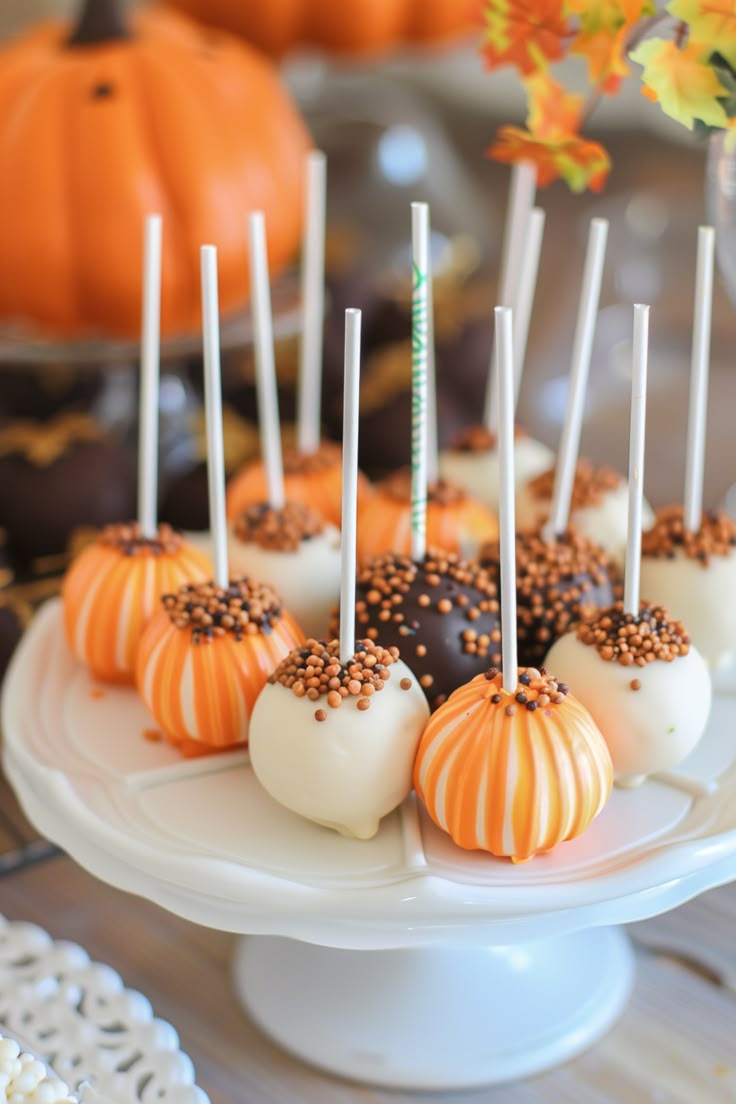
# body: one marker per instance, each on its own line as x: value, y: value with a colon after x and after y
x: 535, y: 689
x: 590, y: 487
x: 127, y: 538
x: 397, y: 486
x: 243, y: 608
x: 635, y: 684
x: 634, y: 641
x: 477, y: 438
x: 327, y: 456
x: 315, y: 671
x: 278, y: 530
x: 715, y: 537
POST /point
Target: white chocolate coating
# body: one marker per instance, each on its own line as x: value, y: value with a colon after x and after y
x: 606, y: 522
x: 477, y: 472
x: 307, y: 580
x: 647, y: 730
x: 348, y: 771
x: 704, y: 597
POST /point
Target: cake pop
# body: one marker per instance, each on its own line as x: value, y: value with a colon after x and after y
x: 558, y: 581
x: 349, y: 764
x: 511, y: 763
x: 689, y: 557
x: 694, y: 574
x: 598, y: 508
x: 294, y: 550
x: 472, y: 462
x: 630, y: 664
x: 455, y: 522
x: 206, y: 655
x: 335, y: 740
x: 112, y: 590
x: 441, y: 613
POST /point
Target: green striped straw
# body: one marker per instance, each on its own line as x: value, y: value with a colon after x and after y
x: 419, y: 371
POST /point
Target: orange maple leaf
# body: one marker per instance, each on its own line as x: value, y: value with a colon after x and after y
x: 580, y: 162
x: 524, y: 33
x: 603, y: 37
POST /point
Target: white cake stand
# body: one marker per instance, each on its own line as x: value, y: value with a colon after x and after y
x: 402, y: 960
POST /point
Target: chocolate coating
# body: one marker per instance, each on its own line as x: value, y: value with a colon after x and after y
x: 90, y: 484
x: 557, y: 583
x: 185, y: 503
x: 442, y: 615
x: 11, y: 630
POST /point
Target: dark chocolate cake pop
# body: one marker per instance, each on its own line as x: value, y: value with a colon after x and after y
x: 14, y: 616
x: 557, y: 583
x: 442, y: 614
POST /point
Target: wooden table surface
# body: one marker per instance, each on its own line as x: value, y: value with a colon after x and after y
x: 675, y: 1043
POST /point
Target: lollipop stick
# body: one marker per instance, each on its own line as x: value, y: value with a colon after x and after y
x: 506, y: 515
x: 521, y: 198
x: 349, y: 484
x: 213, y: 411
x: 268, y: 402
x: 636, y: 458
x: 525, y: 294
x: 313, y: 280
x: 567, y: 457
x: 432, y: 446
x: 419, y: 371
x: 149, y: 383
x: 698, y: 408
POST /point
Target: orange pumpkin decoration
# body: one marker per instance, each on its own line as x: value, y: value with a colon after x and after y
x: 455, y: 521
x: 338, y: 26
x: 101, y: 127
x: 313, y: 479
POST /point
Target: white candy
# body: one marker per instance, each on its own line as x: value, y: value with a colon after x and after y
x: 703, y: 596
x: 307, y: 580
x: 477, y: 472
x: 606, y: 522
x: 647, y: 730
x: 347, y: 771
x: 24, y: 1080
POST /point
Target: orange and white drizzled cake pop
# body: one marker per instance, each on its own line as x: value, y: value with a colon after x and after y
x: 631, y: 664
x: 512, y: 763
x: 205, y: 657
x: 112, y: 589
x: 335, y: 730
x: 689, y: 555
x: 208, y: 652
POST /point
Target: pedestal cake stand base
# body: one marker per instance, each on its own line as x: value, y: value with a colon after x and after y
x: 434, y: 1018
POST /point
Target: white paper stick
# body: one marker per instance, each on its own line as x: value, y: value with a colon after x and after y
x: 349, y: 484
x: 521, y: 200
x: 267, y: 394
x: 213, y: 412
x: 699, y: 364
x: 419, y: 372
x: 149, y: 381
x: 525, y: 294
x: 636, y: 458
x: 433, y: 460
x: 309, y: 400
x: 506, y: 515
x: 567, y: 456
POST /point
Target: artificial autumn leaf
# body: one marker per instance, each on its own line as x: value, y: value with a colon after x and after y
x: 604, y: 30
x: 576, y: 160
x: 524, y: 33
x: 711, y: 24
x: 681, y: 81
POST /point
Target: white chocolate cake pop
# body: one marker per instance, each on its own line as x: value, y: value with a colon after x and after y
x: 598, y: 510
x: 296, y: 552
x: 335, y: 742
x: 646, y: 686
x: 472, y: 463
x: 694, y: 575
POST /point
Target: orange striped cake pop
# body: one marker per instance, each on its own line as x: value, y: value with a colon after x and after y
x: 455, y: 521
x: 112, y: 590
x: 314, y: 479
x: 513, y: 773
x: 205, y: 657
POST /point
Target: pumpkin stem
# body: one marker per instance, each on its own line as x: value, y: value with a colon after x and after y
x: 99, y: 21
